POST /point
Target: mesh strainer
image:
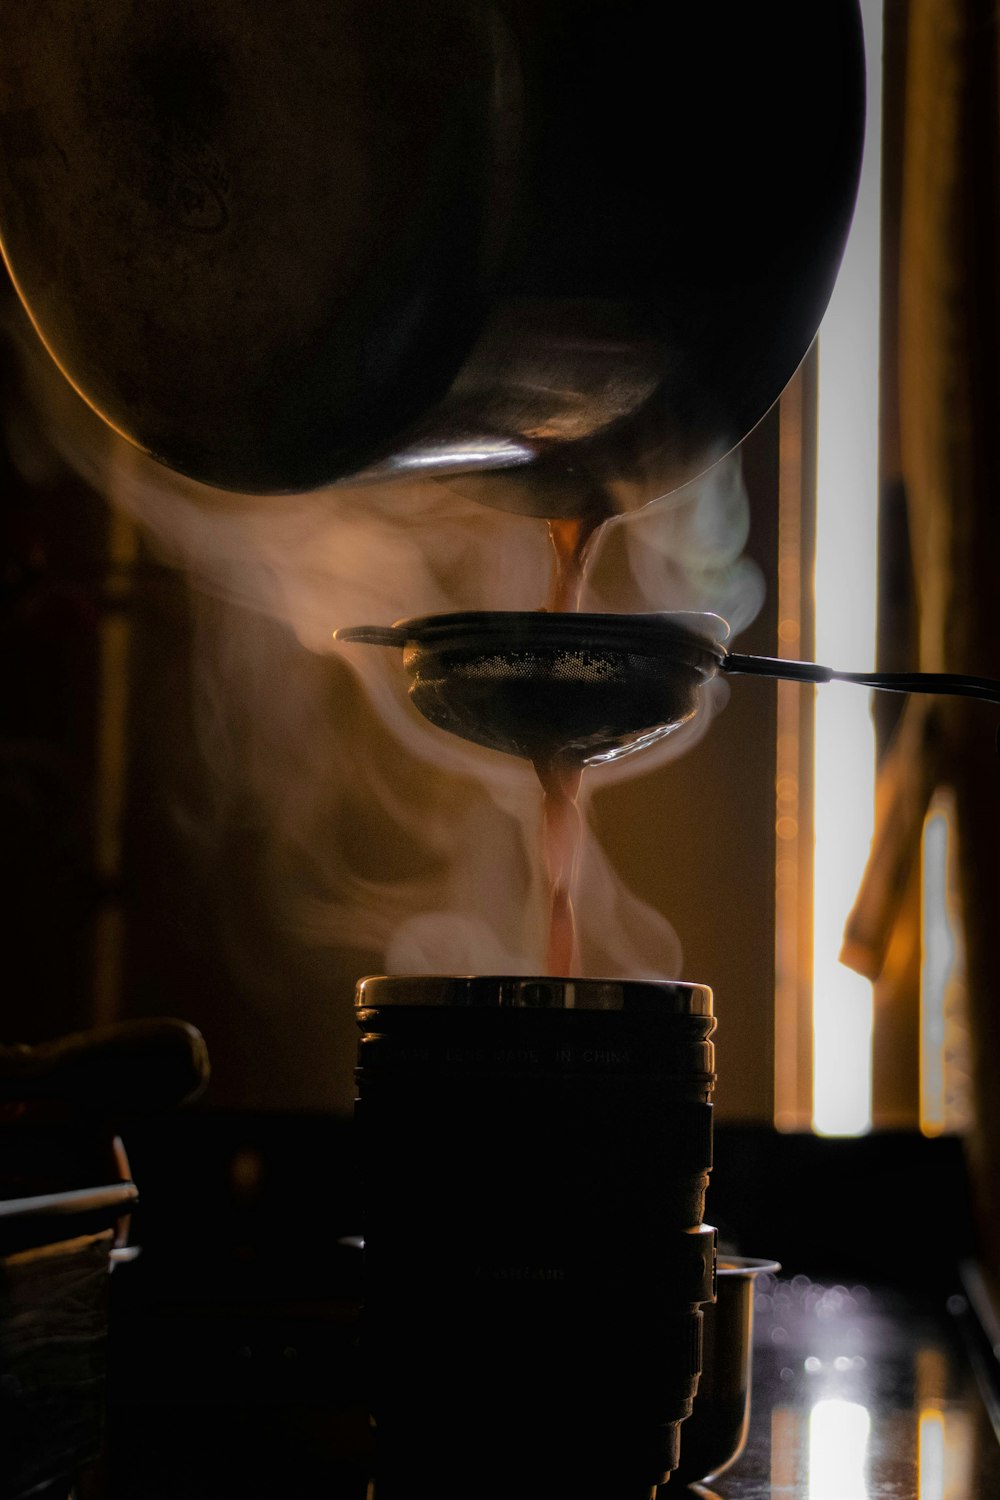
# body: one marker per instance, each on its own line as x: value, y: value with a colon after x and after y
x: 589, y: 687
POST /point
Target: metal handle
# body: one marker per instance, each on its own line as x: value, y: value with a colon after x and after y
x: 372, y: 635
x: 951, y: 683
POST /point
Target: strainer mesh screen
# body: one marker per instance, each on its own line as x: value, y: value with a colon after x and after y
x: 556, y: 666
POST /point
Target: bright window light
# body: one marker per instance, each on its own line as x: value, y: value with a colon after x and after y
x: 936, y: 965
x: 845, y: 604
x: 944, y: 1063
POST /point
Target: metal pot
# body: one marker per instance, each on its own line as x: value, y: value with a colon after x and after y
x: 563, y: 253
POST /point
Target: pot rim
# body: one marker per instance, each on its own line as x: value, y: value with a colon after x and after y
x: 746, y: 1266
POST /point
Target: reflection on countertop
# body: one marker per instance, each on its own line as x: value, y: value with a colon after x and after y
x: 861, y: 1393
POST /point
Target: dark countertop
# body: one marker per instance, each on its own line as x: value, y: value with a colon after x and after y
x: 859, y: 1393
x: 233, y: 1357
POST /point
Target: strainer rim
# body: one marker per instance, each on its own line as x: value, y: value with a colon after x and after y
x: 653, y: 633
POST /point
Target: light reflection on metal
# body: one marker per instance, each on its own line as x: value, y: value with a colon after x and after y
x: 944, y: 1095
x: 838, y: 1450
x: 845, y: 594
x: 458, y: 456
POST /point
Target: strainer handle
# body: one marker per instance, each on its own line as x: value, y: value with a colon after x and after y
x: 954, y: 684
x: 372, y: 635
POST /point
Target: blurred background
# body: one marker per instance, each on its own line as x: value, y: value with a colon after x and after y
x: 208, y: 813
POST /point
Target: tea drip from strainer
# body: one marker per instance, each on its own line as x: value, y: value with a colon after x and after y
x: 591, y: 688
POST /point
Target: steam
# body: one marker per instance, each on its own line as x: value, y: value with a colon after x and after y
x: 386, y: 836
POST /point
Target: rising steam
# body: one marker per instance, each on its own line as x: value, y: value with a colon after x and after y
x: 387, y: 836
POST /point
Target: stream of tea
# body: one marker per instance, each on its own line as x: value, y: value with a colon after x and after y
x: 558, y: 774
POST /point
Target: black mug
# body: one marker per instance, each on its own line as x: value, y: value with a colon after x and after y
x: 535, y: 1154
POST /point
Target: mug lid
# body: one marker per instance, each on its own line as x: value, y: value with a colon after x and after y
x: 531, y: 992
